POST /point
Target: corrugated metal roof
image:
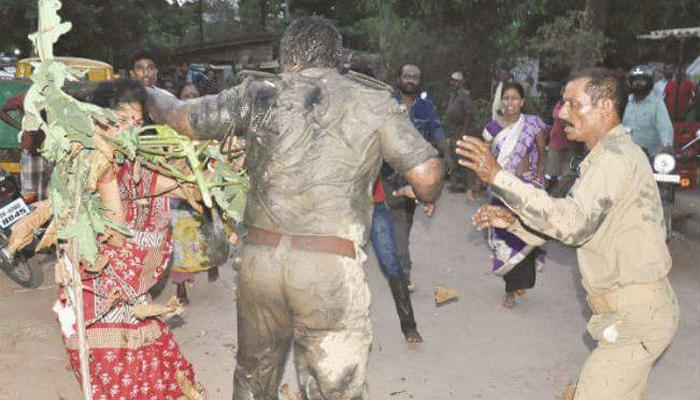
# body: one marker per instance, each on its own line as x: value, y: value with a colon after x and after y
x: 680, y: 33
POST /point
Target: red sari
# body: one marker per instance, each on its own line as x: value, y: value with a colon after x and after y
x: 131, y: 358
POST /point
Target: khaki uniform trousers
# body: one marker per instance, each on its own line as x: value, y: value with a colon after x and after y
x: 317, y: 302
x: 629, y: 341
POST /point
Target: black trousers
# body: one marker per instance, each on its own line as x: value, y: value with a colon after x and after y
x: 523, y: 275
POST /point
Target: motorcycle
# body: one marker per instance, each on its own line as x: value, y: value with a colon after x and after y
x: 664, y: 164
x: 12, y: 209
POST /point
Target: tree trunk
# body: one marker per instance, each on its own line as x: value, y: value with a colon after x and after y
x: 263, y: 14
x: 201, y: 21
x: 597, y: 12
x: 596, y: 19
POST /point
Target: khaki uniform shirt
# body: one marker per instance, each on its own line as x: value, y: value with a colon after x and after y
x: 315, y: 143
x: 613, y: 214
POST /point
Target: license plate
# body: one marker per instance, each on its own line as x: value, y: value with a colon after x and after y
x: 13, y: 212
x: 667, y: 178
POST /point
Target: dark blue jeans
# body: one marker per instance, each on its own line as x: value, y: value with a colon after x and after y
x: 384, y: 243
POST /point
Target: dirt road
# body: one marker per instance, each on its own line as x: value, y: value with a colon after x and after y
x: 474, y: 348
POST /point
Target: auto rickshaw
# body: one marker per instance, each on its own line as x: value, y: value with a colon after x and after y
x: 95, y: 71
x: 91, y: 71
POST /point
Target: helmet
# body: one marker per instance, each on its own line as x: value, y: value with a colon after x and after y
x: 641, y: 71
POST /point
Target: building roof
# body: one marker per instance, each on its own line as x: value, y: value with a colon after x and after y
x: 679, y: 33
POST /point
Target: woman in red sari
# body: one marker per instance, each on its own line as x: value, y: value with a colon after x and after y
x: 130, y: 358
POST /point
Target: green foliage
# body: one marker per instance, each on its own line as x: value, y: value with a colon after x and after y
x: 69, y: 129
x: 227, y: 185
x: 568, y: 42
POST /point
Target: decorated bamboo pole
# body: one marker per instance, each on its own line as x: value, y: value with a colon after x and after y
x: 76, y: 283
x: 50, y: 28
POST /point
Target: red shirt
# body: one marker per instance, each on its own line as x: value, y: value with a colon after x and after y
x: 686, y: 94
x: 31, y: 140
x: 557, y: 138
x: 16, y: 102
x: 378, y: 196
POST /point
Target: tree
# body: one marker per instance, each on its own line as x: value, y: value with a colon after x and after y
x: 568, y: 43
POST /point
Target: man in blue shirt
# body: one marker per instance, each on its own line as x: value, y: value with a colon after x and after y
x: 425, y: 118
x: 646, y: 115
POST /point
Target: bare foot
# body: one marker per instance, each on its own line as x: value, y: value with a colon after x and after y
x: 413, y: 337
x: 509, y: 300
x: 471, y: 195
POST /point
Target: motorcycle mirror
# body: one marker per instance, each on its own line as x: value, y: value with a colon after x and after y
x: 692, y: 142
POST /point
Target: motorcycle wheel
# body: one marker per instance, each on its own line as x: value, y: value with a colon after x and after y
x: 26, y: 274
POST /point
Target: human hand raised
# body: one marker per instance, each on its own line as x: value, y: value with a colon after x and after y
x: 476, y: 155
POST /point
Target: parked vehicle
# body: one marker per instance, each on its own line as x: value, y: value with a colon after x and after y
x: 684, y: 127
x: 93, y: 72
x: 13, y: 208
x: 664, y: 165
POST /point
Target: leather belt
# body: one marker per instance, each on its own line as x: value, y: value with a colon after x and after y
x: 320, y: 244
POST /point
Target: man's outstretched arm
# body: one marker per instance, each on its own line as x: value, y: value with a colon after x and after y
x: 166, y: 109
x: 12, y: 104
x: 208, y: 117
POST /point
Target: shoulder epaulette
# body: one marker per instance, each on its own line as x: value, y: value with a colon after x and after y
x: 368, y: 81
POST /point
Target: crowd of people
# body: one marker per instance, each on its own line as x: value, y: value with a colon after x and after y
x: 342, y: 159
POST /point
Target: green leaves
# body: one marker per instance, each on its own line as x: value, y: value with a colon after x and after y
x: 227, y: 186
x: 52, y: 28
x: 69, y: 126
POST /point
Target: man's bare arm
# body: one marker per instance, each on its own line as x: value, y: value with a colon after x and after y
x: 7, y: 118
x: 166, y: 109
x: 426, y: 179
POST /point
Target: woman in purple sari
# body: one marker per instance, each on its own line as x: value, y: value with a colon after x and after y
x: 518, y: 142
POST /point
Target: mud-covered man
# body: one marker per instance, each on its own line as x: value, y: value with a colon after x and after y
x: 613, y: 215
x: 316, y: 140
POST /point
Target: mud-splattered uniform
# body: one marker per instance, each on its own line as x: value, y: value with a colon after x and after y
x: 316, y: 140
x: 614, y: 216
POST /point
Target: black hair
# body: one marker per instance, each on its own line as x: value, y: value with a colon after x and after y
x: 603, y: 84
x: 400, y: 70
x: 143, y: 55
x: 109, y: 94
x: 311, y: 42
x: 514, y: 86
x: 179, y: 91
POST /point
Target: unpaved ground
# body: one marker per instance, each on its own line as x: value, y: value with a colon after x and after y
x: 474, y: 348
